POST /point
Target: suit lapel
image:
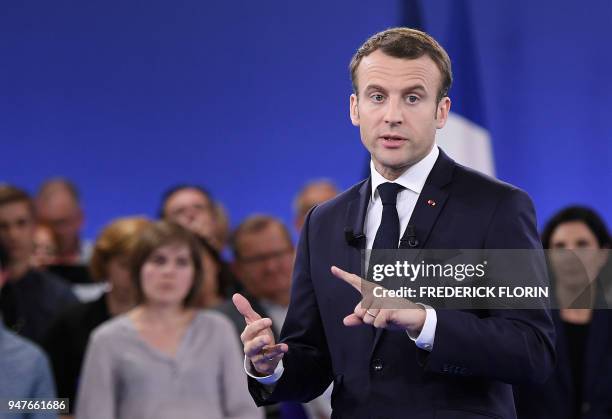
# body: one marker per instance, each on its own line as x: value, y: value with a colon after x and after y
x: 356, y: 240
x: 353, y: 229
x: 430, y: 203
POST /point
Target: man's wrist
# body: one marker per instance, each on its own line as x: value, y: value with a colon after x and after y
x: 425, y: 338
x: 415, y: 330
x: 266, y: 379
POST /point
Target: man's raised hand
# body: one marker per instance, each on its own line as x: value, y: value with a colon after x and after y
x: 258, y: 339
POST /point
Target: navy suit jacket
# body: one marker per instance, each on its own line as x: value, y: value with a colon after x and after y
x: 477, y: 355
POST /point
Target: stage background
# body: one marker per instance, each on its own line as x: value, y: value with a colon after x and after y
x: 250, y: 99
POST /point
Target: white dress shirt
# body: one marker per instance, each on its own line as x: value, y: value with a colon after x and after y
x: 413, y: 180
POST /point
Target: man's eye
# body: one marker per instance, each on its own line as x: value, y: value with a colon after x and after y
x: 412, y: 99
x: 377, y: 97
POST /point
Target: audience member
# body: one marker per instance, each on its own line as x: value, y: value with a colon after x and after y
x: 191, y: 207
x: 58, y: 205
x: 25, y: 369
x: 164, y: 359
x: 581, y: 384
x: 45, y: 247
x: 30, y: 299
x: 311, y: 194
x: 68, y: 337
x: 264, y: 255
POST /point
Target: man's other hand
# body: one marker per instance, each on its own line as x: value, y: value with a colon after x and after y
x: 404, y: 314
x: 258, y: 339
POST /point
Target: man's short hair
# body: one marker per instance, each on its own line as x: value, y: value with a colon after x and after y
x: 10, y: 194
x: 177, y: 188
x: 59, y: 183
x: 409, y: 44
x: 253, y: 225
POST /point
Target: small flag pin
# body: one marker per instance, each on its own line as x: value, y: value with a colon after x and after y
x: 431, y: 202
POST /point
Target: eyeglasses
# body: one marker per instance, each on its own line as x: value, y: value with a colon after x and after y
x: 264, y: 257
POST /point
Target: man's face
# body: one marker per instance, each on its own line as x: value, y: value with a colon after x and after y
x: 192, y: 210
x: 64, y: 216
x: 266, y: 263
x: 17, y: 230
x: 396, y: 110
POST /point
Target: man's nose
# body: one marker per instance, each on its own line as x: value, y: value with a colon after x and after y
x: 393, y: 114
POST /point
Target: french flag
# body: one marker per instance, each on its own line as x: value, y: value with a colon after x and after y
x: 465, y: 137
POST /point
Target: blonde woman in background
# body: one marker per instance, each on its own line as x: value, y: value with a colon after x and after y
x: 67, y: 340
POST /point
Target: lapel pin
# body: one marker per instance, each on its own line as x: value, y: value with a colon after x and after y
x: 431, y: 202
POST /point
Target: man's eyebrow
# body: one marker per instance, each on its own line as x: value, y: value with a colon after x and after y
x: 374, y: 87
x: 417, y: 88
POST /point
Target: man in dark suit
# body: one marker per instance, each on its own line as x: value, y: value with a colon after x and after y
x: 31, y: 298
x: 416, y: 362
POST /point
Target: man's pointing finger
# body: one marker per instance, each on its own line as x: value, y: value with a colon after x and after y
x: 244, y: 307
x: 347, y: 277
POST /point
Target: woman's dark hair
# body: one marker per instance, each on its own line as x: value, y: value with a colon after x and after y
x: 577, y: 213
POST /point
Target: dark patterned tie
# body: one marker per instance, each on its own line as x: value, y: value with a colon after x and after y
x: 387, y: 236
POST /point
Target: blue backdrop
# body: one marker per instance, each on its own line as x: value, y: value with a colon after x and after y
x: 250, y: 99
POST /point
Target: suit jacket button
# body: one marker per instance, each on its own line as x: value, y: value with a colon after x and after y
x: 377, y: 365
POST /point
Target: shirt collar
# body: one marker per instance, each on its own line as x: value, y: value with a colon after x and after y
x: 413, y: 178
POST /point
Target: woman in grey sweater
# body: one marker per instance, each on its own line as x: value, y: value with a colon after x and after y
x: 165, y: 359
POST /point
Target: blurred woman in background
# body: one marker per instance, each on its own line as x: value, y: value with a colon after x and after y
x: 67, y: 340
x: 581, y: 385
x: 165, y: 359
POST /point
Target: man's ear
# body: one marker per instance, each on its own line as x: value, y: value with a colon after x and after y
x: 354, y: 109
x: 442, y: 112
